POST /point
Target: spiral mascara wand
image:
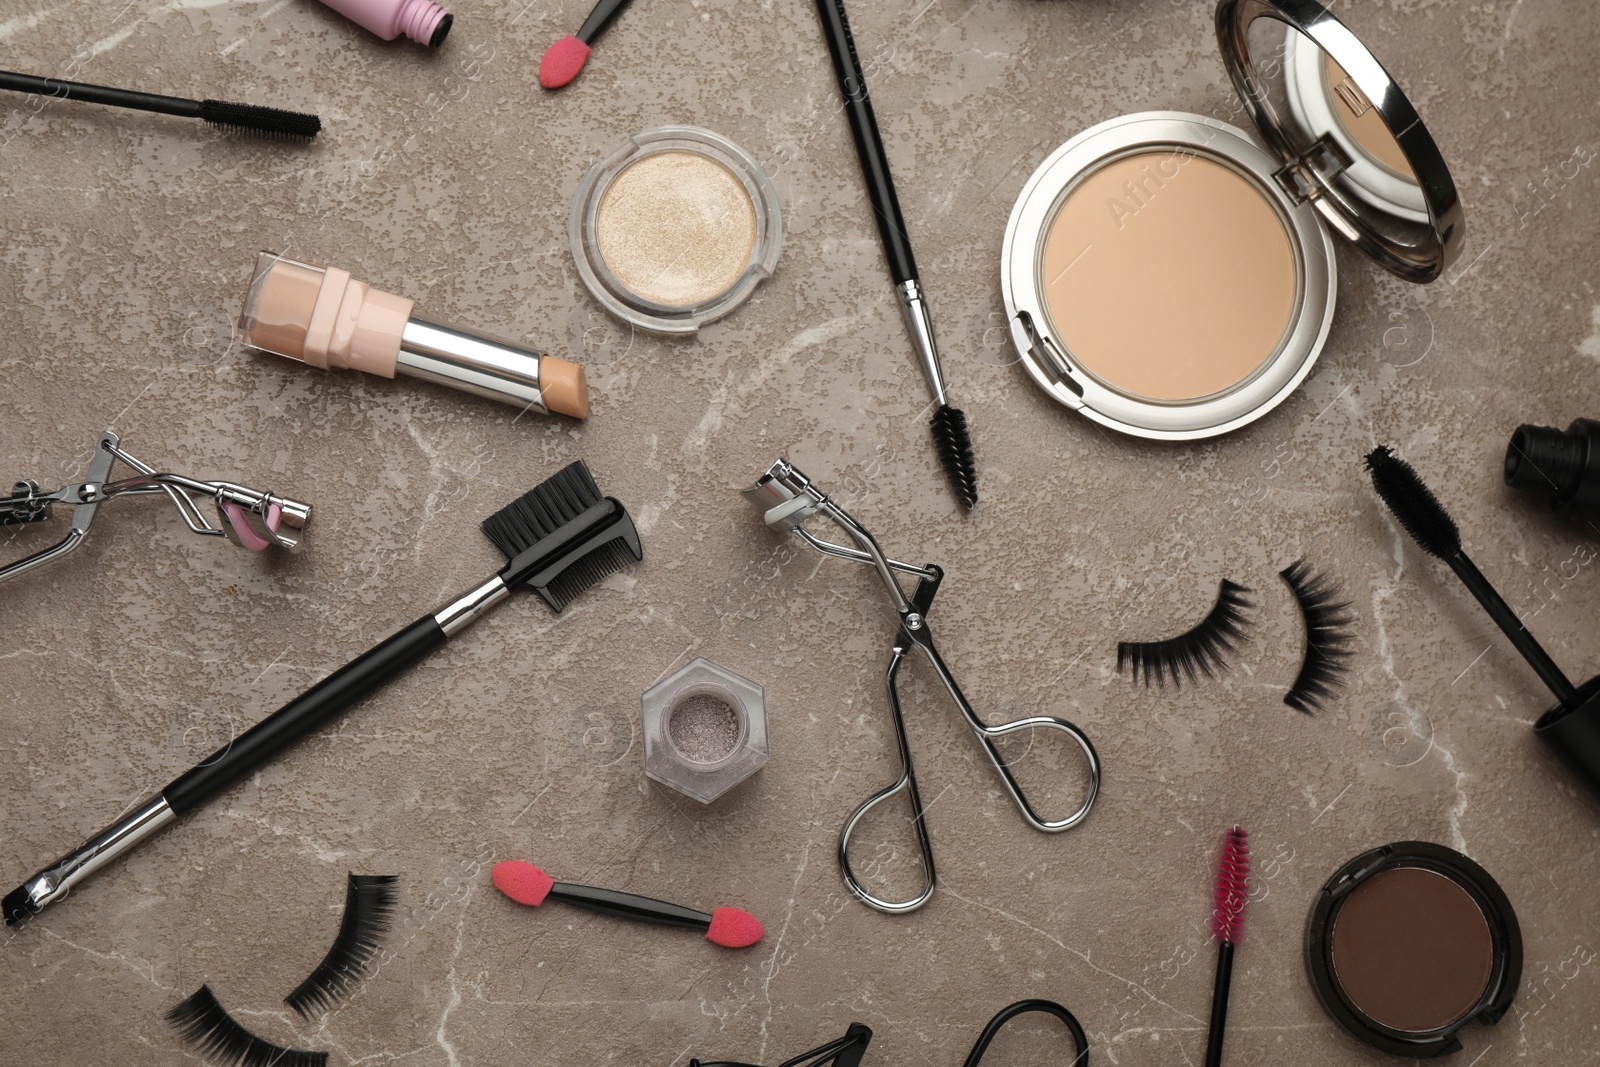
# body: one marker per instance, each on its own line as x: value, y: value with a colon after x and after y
x: 1227, y: 926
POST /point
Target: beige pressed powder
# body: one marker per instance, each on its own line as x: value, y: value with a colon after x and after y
x: 1172, y: 276
x: 676, y: 228
x: 1168, y: 276
x: 1361, y: 120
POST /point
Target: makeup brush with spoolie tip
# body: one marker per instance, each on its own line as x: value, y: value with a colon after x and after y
x: 270, y: 121
x: 950, y: 434
x: 1572, y: 726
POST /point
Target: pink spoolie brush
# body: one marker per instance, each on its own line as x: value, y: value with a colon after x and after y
x: 527, y: 884
x: 565, y: 59
x: 1227, y: 926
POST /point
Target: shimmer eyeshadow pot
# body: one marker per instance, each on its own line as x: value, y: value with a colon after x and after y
x: 675, y: 229
x: 1172, y: 276
x: 1410, y: 942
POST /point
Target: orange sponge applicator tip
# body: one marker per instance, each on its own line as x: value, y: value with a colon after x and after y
x: 562, y: 62
x: 527, y: 884
x: 732, y: 928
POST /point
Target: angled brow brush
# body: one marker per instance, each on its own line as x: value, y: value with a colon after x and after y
x: 561, y: 537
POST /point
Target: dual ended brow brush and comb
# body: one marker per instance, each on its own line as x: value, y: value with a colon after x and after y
x: 560, y: 538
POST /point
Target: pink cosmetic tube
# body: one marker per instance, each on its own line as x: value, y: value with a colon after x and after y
x: 324, y: 318
x: 421, y: 20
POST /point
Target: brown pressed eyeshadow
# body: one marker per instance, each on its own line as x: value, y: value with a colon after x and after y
x: 1169, y: 276
x: 1411, y: 949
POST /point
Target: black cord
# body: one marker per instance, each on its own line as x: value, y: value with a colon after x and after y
x: 848, y: 1050
x: 1022, y: 1007
x: 842, y: 1052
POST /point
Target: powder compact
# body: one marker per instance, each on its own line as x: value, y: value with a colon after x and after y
x: 1410, y: 942
x: 1172, y: 276
x: 675, y: 228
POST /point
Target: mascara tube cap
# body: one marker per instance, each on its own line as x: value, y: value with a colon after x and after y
x: 1574, y: 733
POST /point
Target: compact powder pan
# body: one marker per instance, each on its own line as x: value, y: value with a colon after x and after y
x: 675, y: 228
x: 1172, y: 276
x: 1408, y: 943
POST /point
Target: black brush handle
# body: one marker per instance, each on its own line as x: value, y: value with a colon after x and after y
x: 304, y: 714
x: 100, y: 94
x: 599, y: 19
x: 1219, y: 1004
x: 869, y: 142
x: 629, y: 906
x: 1512, y: 627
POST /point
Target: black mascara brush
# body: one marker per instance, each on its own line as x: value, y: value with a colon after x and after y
x: 1435, y: 532
x: 1572, y: 727
x: 561, y: 537
x: 950, y: 435
x: 268, y: 120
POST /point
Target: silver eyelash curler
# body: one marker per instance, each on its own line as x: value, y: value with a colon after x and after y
x: 787, y: 498
x: 252, y: 520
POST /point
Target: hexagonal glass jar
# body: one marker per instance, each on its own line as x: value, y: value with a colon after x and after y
x: 709, y: 712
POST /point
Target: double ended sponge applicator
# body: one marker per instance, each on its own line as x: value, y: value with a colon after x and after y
x: 527, y: 884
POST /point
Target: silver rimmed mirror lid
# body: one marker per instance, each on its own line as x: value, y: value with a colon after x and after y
x: 1416, y: 251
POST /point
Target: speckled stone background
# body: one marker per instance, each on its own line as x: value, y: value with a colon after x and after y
x: 128, y: 239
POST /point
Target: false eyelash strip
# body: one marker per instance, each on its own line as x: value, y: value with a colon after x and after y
x: 205, y: 1025
x: 369, y: 903
x: 1328, y: 622
x: 1203, y: 649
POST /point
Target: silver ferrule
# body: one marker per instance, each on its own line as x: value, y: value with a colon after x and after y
x: 470, y: 607
x: 56, y: 880
x: 473, y: 363
x: 919, y: 322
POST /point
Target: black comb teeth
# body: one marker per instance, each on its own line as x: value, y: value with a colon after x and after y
x: 542, y: 510
x: 588, y: 572
x: 563, y: 536
x: 954, y: 442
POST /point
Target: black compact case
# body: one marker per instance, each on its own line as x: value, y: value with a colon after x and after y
x: 1505, y: 972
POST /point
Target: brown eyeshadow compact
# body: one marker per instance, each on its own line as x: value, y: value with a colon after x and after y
x: 1410, y: 942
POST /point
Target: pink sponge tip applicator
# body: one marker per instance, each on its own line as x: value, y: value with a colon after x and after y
x: 563, y: 62
x: 527, y: 884
x: 522, y: 882
x: 732, y: 928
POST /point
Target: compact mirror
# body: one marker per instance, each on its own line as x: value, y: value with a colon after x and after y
x: 1351, y: 143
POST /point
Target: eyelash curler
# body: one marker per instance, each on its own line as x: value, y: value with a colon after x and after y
x: 787, y: 498
x: 252, y: 520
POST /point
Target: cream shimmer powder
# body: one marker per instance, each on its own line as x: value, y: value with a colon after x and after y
x: 1168, y: 276
x: 676, y: 228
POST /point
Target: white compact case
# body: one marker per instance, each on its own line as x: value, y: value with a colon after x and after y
x: 1171, y: 276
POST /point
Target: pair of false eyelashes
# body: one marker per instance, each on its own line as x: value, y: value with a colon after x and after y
x: 207, y: 1027
x: 1329, y: 625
